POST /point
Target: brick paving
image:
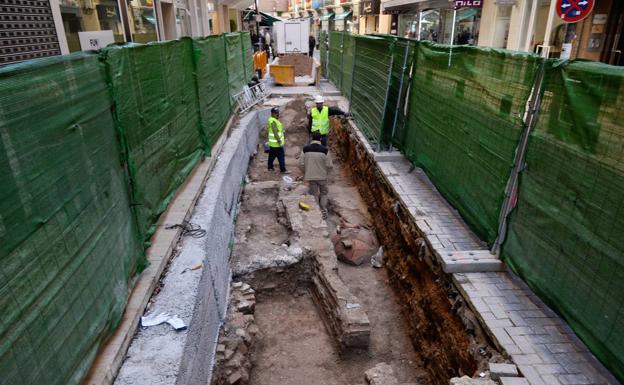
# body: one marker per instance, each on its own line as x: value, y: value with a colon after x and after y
x: 454, y: 244
x: 540, y: 343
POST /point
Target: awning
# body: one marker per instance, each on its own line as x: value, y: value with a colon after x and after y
x: 416, y: 4
x: 344, y: 15
x: 329, y: 16
x: 267, y: 20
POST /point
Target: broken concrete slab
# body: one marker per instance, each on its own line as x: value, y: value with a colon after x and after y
x: 381, y: 374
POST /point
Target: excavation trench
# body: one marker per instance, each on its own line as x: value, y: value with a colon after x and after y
x: 298, y: 316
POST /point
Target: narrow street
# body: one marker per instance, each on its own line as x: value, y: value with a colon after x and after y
x: 293, y: 346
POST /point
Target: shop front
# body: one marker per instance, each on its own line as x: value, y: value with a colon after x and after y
x: 440, y: 21
x: 91, y: 16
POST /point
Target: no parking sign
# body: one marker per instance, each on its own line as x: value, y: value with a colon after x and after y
x: 572, y: 11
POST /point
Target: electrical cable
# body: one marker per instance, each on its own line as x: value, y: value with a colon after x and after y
x: 191, y: 229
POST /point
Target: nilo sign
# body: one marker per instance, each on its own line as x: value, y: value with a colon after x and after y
x: 468, y: 4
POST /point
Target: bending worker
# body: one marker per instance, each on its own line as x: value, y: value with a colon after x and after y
x: 317, y: 162
x: 275, y: 135
x: 318, y: 118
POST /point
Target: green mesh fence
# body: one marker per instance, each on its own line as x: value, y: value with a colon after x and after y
x: 212, y: 86
x: 370, y: 82
x: 157, y: 114
x: 565, y: 237
x: 236, y: 66
x: 68, y: 241
x: 348, y: 60
x: 403, y: 51
x: 324, y: 52
x: 465, y: 120
x: 248, y: 64
x: 335, y: 57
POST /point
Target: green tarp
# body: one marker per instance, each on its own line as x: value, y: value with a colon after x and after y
x: 237, y: 70
x: 348, y: 59
x: 566, y: 233
x: 157, y: 115
x: 68, y: 241
x: 464, y: 123
x: 92, y: 148
x: 370, y: 81
x: 212, y: 86
x: 335, y: 57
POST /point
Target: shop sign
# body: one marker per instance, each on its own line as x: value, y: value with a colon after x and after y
x: 391, y: 11
x: 571, y: 11
x: 468, y: 4
x: 369, y: 7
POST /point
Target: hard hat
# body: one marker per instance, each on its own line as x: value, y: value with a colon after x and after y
x: 275, y: 110
x: 319, y: 99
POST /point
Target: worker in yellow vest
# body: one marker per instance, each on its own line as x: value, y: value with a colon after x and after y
x: 276, y: 141
x: 318, y: 118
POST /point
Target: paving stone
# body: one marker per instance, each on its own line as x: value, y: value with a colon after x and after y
x: 514, y: 381
x: 502, y: 370
x: 465, y: 380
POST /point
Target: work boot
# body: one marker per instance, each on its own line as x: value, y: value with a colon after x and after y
x: 285, y: 172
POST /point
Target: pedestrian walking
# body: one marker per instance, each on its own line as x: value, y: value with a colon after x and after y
x: 318, y: 118
x: 267, y: 43
x: 317, y: 163
x: 275, y: 134
x: 311, y: 45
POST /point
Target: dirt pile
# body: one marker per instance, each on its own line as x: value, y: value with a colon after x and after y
x: 302, y: 63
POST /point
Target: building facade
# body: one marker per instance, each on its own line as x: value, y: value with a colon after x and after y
x: 37, y: 28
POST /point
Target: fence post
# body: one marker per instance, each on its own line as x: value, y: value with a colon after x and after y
x: 352, y: 72
x: 511, y: 191
x: 383, y: 118
x: 396, y: 111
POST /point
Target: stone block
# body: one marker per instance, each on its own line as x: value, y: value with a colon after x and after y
x: 381, y: 374
x: 502, y: 370
x: 465, y: 380
x: 513, y: 381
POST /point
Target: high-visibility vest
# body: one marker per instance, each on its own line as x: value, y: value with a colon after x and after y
x: 273, y: 141
x: 320, y: 120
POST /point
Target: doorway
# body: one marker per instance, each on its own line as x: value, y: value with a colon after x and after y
x: 168, y: 20
x: 614, y: 47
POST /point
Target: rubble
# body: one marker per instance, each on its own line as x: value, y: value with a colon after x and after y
x: 237, y: 337
x: 381, y: 374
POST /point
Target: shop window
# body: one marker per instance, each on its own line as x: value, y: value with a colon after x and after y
x: 142, y: 21
x: 90, y: 15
